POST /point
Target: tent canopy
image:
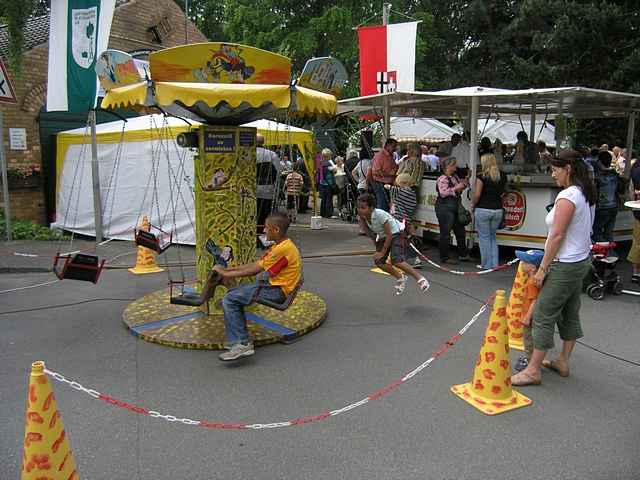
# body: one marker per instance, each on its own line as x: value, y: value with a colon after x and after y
x: 579, y: 102
x: 150, y: 166
x: 506, y: 129
x: 420, y: 130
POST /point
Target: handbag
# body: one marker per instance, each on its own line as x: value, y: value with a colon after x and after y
x: 464, y: 216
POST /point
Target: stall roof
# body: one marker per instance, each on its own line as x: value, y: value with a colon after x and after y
x: 579, y: 102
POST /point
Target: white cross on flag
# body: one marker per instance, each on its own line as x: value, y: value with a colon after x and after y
x: 387, y: 50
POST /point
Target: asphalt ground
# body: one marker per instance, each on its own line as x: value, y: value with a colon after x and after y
x: 585, y: 426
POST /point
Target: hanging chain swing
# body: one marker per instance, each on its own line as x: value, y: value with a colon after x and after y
x: 78, y: 265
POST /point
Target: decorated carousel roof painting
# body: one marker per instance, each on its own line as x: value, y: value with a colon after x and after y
x: 223, y: 83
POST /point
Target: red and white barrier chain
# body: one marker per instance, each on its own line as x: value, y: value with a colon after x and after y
x: 288, y: 423
x: 458, y: 272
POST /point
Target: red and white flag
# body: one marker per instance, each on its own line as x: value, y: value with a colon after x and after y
x: 387, y: 58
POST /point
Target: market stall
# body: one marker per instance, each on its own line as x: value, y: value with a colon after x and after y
x: 530, y: 190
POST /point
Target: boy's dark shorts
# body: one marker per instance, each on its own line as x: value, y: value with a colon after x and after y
x: 397, y: 250
x: 291, y: 202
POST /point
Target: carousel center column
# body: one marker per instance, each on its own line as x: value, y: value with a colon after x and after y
x: 225, y: 201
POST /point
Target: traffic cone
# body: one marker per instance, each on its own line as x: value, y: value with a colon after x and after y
x: 515, y: 311
x: 490, y: 389
x: 146, y: 259
x: 46, y: 453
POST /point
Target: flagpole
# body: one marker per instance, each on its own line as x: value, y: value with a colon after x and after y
x: 95, y: 176
x: 386, y: 8
x: 186, y: 21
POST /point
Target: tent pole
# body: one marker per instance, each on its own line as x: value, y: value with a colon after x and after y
x: 560, y: 126
x: 473, y: 157
x: 631, y: 124
x: 532, y: 126
x: 473, y: 138
x: 95, y: 176
x: 5, y: 185
x: 386, y: 8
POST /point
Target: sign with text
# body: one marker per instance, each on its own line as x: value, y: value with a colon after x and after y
x: 7, y: 93
x: 514, y: 204
x: 17, y: 139
x: 219, y: 141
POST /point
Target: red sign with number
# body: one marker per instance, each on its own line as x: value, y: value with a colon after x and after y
x: 515, y: 207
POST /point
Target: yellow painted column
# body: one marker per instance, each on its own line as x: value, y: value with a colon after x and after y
x: 225, y: 200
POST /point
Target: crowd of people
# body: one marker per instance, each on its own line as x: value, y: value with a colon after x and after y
x: 388, y: 187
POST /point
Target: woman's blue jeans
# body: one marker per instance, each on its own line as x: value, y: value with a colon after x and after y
x: 487, y: 222
x: 382, y: 201
x: 233, y: 303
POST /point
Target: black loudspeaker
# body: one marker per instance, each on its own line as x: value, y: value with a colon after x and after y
x: 187, y: 140
x: 366, y: 140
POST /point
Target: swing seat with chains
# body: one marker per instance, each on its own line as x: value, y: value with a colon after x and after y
x: 79, y: 266
x: 84, y: 266
x: 158, y: 243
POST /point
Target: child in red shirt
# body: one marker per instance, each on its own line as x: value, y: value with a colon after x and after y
x: 530, y: 261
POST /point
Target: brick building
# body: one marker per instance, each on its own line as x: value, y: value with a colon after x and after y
x: 139, y: 26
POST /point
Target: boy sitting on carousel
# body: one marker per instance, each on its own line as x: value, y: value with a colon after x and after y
x: 278, y: 273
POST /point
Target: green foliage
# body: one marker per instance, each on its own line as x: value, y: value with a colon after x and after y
x: 14, y: 14
x: 27, y: 230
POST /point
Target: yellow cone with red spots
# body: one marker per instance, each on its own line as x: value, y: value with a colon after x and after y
x: 146, y: 258
x: 490, y: 390
x: 515, y: 310
x: 46, y: 454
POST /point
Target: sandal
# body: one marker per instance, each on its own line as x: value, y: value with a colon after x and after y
x: 523, y: 379
x: 423, y: 284
x: 560, y: 368
x: 400, y: 285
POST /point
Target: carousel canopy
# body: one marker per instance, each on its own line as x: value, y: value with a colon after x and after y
x: 216, y: 83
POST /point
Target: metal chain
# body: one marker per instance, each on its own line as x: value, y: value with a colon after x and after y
x: 290, y: 423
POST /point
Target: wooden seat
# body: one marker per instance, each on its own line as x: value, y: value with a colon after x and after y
x: 287, y: 301
x: 78, y: 266
x: 195, y: 300
x: 152, y: 241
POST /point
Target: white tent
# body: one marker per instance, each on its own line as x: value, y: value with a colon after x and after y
x: 153, y: 176
x: 418, y: 130
x: 506, y: 130
x: 421, y: 130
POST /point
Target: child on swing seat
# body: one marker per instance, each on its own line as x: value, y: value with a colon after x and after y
x: 385, y: 231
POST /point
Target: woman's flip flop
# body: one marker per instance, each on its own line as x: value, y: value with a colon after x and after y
x: 558, y: 367
x: 523, y: 379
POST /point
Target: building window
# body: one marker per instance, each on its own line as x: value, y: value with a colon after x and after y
x: 160, y: 31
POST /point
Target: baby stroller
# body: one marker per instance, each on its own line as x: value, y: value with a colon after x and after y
x: 603, y: 278
x: 348, y: 212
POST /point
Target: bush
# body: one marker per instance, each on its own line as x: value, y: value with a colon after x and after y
x: 27, y: 230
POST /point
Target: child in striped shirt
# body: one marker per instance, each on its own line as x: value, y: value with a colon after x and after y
x: 293, y: 185
x: 403, y: 201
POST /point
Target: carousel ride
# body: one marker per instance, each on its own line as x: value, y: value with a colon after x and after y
x: 220, y: 86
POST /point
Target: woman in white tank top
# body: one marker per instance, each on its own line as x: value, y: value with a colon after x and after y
x: 566, y: 261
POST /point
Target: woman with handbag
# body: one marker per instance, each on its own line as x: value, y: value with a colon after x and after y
x: 449, y: 211
x: 487, y: 207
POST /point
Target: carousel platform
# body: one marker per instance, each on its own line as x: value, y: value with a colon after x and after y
x: 154, y: 319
